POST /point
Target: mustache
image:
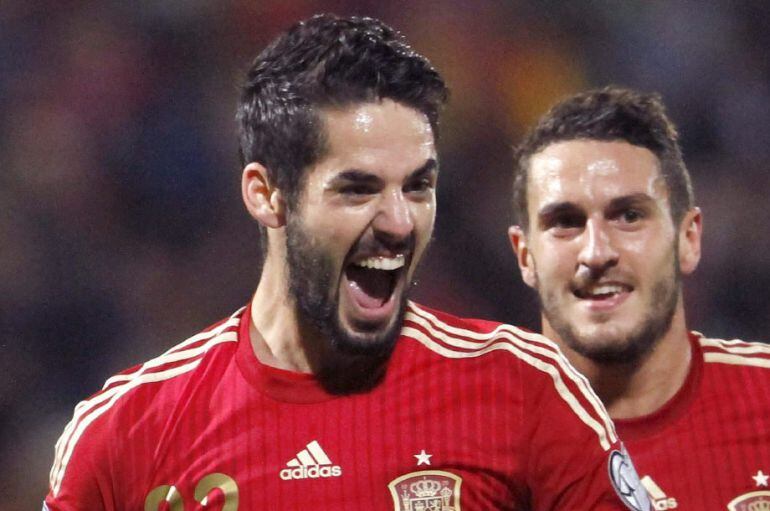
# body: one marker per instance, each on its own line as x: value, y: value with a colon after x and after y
x: 374, y: 245
x: 586, y: 277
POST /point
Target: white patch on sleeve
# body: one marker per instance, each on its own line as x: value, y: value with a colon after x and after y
x: 626, y: 481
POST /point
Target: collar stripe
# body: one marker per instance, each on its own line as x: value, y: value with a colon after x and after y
x: 468, y: 344
x: 174, y: 359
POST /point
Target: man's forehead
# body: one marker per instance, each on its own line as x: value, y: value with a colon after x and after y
x: 376, y: 137
x: 589, y: 169
x: 376, y: 122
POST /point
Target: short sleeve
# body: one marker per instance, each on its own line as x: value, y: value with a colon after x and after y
x: 574, y: 457
x: 79, y: 478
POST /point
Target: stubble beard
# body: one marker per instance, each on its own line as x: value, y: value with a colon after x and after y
x: 627, y: 348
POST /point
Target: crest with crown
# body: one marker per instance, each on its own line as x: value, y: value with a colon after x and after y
x: 426, y: 490
x: 753, y: 501
x: 760, y: 505
x: 425, y: 487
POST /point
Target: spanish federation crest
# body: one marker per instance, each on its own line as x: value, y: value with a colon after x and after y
x: 426, y: 490
x: 753, y: 501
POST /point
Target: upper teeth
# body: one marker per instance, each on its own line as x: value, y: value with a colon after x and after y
x: 382, y: 263
x: 605, y: 289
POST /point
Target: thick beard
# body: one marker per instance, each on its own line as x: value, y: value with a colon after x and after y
x: 632, y: 348
x: 352, y: 362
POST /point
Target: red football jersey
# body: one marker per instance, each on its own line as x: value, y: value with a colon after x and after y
x: 709, y: 446
x: 470, y: 415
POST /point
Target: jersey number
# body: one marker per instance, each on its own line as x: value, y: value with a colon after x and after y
x: 169, y: 494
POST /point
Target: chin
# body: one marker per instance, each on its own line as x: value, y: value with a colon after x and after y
x: 363, y: 338
x: 610, y: 345
x: 607, y: 352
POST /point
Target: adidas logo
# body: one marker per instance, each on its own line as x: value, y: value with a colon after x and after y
x: 660, y: 501
x: 310, y: 463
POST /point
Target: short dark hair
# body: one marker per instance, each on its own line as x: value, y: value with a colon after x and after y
x: 609, y: 114
x: 325, y: 62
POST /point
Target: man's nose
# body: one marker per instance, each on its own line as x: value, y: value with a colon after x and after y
x: 597, y: 252
x: 394, y: 219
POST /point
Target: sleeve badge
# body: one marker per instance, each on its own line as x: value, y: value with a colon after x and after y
x: 626, y: 481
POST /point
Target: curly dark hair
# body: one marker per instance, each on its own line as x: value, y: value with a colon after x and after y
x: 325, y: 62
x: 609, y: 114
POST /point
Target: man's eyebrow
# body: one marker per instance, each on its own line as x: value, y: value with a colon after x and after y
x: 430, y: 165
x: 549, y: 212
x: 555, y: 208
x: 365, y: 177
x: 634, y: 199
x: 355, y: 175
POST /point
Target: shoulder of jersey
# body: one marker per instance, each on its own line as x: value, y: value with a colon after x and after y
x: 176, y: 362
x: 458, y: 338
x: 735, y: 352
x: 455, y: 337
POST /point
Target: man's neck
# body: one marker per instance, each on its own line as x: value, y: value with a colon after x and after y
x: 280, y: 338
x: 277, y: 337
x: 639, y: 388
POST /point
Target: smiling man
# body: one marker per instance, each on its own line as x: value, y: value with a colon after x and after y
x: 330, y: 390
x: 607, y: 228
x: 348, y: 244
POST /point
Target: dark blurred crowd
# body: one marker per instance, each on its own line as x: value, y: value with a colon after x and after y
x: 121, y: 226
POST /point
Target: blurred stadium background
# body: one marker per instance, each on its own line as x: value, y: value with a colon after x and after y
x: 121, y: 227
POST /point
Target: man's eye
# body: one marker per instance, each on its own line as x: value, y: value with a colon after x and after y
x: 631, y: 215
x: 356, y: 190
x: 421, y: 185
x: 567, y: 222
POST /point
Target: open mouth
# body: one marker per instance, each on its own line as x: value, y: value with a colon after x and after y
x: 600, y: 292
x: 373, y: 280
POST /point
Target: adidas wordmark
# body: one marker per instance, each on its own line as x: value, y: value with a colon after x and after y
x: 310, y: 463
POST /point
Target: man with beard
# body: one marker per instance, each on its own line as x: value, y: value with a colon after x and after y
x: 607, y: 227
x: 330, y: 390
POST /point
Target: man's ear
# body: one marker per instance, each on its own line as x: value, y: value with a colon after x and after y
x: 690, y: 232
x: 526, y: 264
x: 263, y: 201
